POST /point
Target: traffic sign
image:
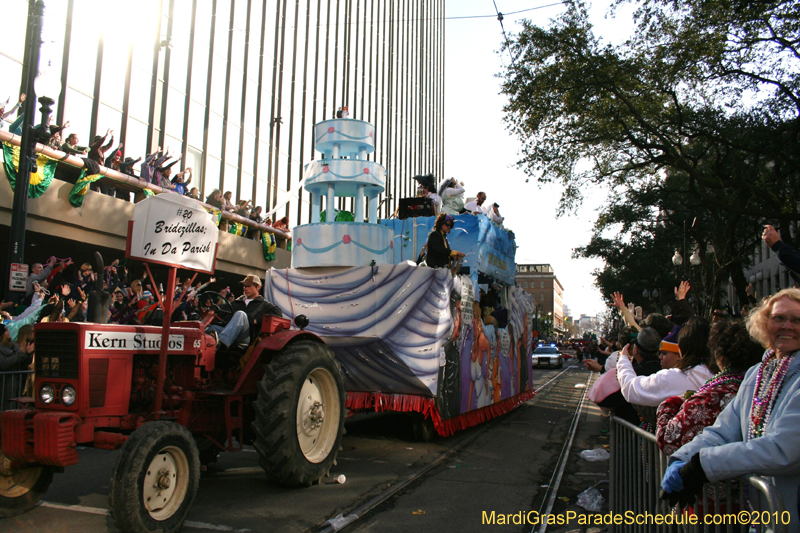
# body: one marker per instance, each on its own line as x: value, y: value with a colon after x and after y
x: 19, y: 277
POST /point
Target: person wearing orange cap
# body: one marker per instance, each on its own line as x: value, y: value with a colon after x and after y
x: 670, y: 353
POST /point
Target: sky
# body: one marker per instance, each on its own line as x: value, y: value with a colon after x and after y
x: 480, y: 151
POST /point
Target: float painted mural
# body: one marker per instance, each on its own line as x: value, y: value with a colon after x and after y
x: 411, y: 338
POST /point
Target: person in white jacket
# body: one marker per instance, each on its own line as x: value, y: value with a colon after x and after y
x: 690, y: 374
x: 452, y: 194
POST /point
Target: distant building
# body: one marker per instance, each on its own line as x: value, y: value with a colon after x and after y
x: 587, y: 324
x: 541, y: 282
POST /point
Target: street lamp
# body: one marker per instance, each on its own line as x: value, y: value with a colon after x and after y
x: 652, y: 295
x: 47, y: 86
x: 694, y: 260
x: 47, y: 90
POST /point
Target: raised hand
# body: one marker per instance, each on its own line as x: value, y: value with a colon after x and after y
x: 770, y: 235
x: 617, y: 300
x: 680, y: 291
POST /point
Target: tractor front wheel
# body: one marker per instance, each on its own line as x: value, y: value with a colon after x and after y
x: 21, y: 488
x: 155, y: 479
x: 299, y: 414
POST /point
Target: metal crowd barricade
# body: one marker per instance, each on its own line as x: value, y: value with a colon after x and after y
x: 636, y: 469
x: 12, y: 385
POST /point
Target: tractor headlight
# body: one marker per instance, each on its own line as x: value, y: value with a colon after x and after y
x: 47, y: 393
x: 68, y: 395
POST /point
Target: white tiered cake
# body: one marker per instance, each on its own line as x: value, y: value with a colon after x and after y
x: 332, y: 243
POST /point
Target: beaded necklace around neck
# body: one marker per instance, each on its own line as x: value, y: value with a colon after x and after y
x: 766, y: 392
x: 722, y: 378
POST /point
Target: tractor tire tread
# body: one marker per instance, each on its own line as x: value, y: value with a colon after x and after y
x: 125, y: 505
x: 275, y: 407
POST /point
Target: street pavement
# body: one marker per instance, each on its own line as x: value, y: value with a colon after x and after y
x: 502, y: 469
x: 506, y: 470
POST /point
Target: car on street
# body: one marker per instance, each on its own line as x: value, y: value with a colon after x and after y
x: 547, y: 355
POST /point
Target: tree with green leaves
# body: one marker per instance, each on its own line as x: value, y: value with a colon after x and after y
x: 697, y: 115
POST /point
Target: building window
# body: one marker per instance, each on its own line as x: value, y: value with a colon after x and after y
x: 525, y: 284
x: 541, y: 284
x: 541, y: 297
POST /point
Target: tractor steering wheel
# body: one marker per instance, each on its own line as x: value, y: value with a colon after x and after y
x: 222, y: 311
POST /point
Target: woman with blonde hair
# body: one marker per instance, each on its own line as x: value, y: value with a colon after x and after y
x: 759, y: 431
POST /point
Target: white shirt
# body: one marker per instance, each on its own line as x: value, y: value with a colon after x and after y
x: 437, y: 202
x: 611, y: 362
x: 473, y: 207
x: 653, y: 389
x: 493, y: 217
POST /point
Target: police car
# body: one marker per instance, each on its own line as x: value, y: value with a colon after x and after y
x: 547, y: 355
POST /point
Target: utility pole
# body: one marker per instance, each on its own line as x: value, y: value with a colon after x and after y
x: 27, y: 157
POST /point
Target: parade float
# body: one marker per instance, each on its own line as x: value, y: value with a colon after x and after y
x: 409, y: 338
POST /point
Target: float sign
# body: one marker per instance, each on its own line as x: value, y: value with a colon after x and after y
x: 173, y: 230
x: 19, y: 277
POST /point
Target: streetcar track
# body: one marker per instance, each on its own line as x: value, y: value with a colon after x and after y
x: 342, y: 521
x: 555, y: 480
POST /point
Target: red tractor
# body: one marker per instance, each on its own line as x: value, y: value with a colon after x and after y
x: 101, y: 385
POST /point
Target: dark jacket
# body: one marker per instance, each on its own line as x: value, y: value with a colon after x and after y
x: 257, y: 308
x: 97, y: 152
x: 12, y: 358
x: 681, y: 312
x: 438, y: 254
x: 788, y: 256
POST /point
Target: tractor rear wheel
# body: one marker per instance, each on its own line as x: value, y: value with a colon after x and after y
x: 155, y: 479
x: 299, y: 414
x: 21, y: 488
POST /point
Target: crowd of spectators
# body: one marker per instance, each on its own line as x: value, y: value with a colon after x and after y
x: 155, y: 168
x: 720, y: 406
x: 57, y: 291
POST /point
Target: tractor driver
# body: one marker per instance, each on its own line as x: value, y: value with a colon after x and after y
x: 245, y: 321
